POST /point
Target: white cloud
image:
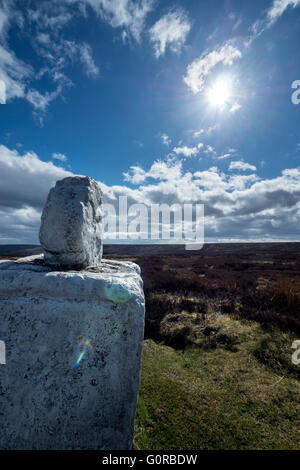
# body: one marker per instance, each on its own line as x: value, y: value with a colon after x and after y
x: 159, y: 170
x: 86, y: 57
x: 136, y: 175
x: 236, y: 206
x: 60, y: 53
x: 275, y: 11
x: 41, y: 102
x: 130, y: 15
x: 207, y: 131
x: 166, y: 139
x: 25, y: 179
x: 170, y: 31
x: 59, y: 156
x: 5, y: 13
x: 241, y: 182
x: 44, y: 24
x: 228, y: 154
x: 187, y: 151
x: 210, y: 149
x: 235, y: 107
x: 24, y: 185
x: 200, y: 68
x: 225, y: 155
x: 54, y: 15
x: 14, y: 73
x: 242, y: 166
x: 44, y: 38
x: 278, y: 8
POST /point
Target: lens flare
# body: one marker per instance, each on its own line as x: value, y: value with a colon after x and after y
x: 86, y: 345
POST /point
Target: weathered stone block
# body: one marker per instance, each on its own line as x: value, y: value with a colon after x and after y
x: 73, y: 352
x: 71, y: 229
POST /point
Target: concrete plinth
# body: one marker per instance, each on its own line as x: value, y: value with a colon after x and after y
x: 73, y: 342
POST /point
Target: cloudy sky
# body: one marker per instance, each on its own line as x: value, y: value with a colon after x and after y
x: 174, y: 101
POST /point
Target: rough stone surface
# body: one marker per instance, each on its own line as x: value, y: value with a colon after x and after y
x: 46, y: 315
x: 71, y: 230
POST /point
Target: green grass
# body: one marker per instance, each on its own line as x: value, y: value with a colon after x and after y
x: 212, y: 397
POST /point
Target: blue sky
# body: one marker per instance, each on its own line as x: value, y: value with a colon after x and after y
x: 184, y: 101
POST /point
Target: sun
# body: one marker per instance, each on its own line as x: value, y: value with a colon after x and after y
x: 219, y: 93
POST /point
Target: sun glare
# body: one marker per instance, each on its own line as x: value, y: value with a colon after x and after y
x: 219, y: 93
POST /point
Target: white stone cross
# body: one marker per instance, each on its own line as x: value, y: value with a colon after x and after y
x: 71, y: 230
